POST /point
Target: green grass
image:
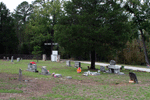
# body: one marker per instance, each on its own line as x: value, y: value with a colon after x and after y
x: 10, y: 91
x: 107, y: 87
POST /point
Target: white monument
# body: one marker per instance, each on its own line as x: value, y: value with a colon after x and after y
x: 55, y: 56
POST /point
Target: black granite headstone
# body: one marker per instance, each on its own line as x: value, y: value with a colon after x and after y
x: 133, y: 77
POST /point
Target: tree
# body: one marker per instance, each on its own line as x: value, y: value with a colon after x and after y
x: 8, y: 39
x: 141, y: 15
x: 21, y: 17
x: 51, y: 11
x: 41, y: 22
x: 37, y: 51
x: 92, y: 26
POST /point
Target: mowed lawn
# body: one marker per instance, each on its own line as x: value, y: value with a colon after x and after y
x: 41, y: 87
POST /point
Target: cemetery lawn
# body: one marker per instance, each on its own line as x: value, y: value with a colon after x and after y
x: 41, y: 87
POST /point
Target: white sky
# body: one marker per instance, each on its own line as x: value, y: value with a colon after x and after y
x: 12, y: 4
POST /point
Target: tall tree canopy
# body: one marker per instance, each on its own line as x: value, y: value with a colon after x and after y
x: 21, y: 17
x: 8, y: 39
x: 42, y: 21
x: 140, y: 9
x: 92, y: 26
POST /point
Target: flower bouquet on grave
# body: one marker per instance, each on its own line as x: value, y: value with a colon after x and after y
x: 79, y: 70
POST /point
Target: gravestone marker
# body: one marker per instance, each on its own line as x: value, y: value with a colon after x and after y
x: 44, y: 71
x: 7, y: 58
x: 11, y: 58
x: 69, y: 77
x: 20, y: 74
x: 44, y: 57
x: 32, y: 67
x: 113, y: 68
x: 68, y: 63
x: 133, y: 77
x: 77, y: 64
x: 112, y: 62
x: 58, y: 58
x: 4, y: 58
x: 18, y: 59
x: 54, y: 55
x: 102, y: 68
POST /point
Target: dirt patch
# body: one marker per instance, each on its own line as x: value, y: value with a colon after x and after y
x: 36, y: 87
x: 33, y: 87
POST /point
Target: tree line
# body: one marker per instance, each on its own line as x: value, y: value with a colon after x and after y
x: 86, y: 29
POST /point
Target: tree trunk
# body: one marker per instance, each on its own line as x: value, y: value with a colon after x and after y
x: 144, y: 46
x: 52, y: 34
x: 93, y: 59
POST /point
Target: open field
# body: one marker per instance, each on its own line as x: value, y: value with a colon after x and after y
x: 41, y: 87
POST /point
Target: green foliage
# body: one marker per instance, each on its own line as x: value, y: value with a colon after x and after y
x: 89, y: 26
x: 8, y: 39
x: 21, y: 17
x: 140, y: 11
x: 132, y: 54
x: 37, y: 52
x: 40, y: 27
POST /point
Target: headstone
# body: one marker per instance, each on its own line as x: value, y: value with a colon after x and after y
x: 69, y: 77
x: 102, y: 68
x: 32, y: 67
x: 68, y: 63
x: 44, y: 57
x: 20, y: 74
x: 77, y: 64
x: 54, y: 55
x: 58, y: 58
x: 11, y: 58
x: 133, y: 77
x: 18, y: 59
x: 44, y: 71
x: 113, y: 68
x: 112, y: 62
x: 7, y: 58
x: 4, y: 58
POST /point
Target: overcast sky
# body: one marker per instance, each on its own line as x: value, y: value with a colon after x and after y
x: 12, y: 4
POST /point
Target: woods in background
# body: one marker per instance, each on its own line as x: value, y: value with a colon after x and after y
x: 87, y: 30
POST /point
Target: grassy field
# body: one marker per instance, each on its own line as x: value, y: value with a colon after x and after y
x: 41, y: 87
